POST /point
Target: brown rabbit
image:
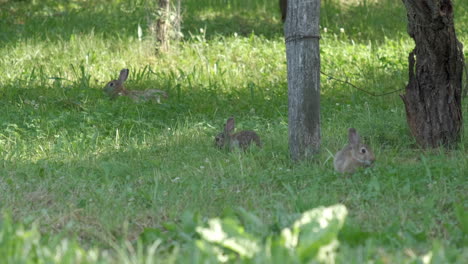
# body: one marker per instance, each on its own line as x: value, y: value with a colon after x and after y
x: 353, y: 155
x: 116, y: 88
x: 241, y: 139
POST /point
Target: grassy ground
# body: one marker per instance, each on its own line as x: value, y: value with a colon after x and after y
x: 102, y: 171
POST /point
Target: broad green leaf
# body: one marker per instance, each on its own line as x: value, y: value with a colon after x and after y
x: 228, y: 234
x: 462, y: 217
x: 252, y: 223
x: 315, y: 231
x: 212, y: 251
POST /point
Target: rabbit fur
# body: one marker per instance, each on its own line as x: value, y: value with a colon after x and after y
x: 242, y: 139
x: 116, y: 88
x: 354, y: 155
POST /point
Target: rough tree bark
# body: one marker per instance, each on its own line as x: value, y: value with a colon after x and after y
x: 303, y: 57
x: 162, y: 26
x: 433, y: 93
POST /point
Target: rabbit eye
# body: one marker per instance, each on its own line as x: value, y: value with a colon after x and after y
x: 363, y: 150
x: 111, y: 84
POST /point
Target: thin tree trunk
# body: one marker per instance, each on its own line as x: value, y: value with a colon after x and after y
x: 178, y: 20
x: 433, y: 93
x: 303, y: 56
x: 283, y: 4
x: 162, y: 25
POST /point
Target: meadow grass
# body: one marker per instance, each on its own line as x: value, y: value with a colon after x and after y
x: 102, y: 171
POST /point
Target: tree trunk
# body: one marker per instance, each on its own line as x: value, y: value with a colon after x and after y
x: 162, y: 26
x: 178, y: 21
x: 433, y: 94
x: 283, y: 4
x: 303, y: 56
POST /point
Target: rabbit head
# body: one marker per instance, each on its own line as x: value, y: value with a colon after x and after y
x: 356, y: 154
x: 115, y: 88
x: 223, y: 138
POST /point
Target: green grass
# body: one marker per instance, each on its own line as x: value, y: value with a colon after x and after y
x: 101, y: 172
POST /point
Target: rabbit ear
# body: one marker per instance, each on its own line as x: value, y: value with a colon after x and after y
x: 229, y: 125
x: 123, y: 75
x: 353, y: 136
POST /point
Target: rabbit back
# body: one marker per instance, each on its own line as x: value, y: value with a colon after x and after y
x: 147, y: 95
x: 344, y: 162
x: 244, y: 139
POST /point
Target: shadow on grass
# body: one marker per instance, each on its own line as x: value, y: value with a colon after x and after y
x: 234, y: 24
x: 54, y: 21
